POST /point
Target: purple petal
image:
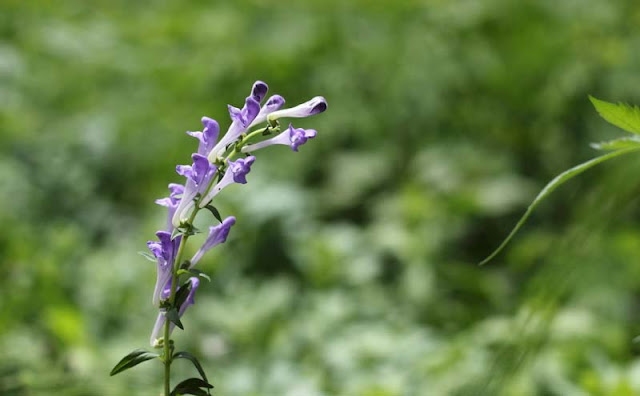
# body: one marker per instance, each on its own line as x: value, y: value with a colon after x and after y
x: 259, y: 90
x: 240, y: 168
x: 217, y: 235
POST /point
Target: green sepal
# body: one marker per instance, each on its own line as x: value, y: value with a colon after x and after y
x: 194, y: 360
x: 552, y: 185
x: 214, y: 211
x: 133, y: 359
x: 192, y: 386
x: 173, y: 316
x: 184, y: 229
x: 185, y: 265
x: 621, y: 115
x: 148, y: 256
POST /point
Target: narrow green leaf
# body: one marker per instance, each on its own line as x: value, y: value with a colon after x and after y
x: 174, y: 317
x: 194, y: 272
x: 182, y: 293
x: 192, y: 386
x: 552, y: 185
x: 133, y: 359
x: 621, y: 115
x: 148, y: 256
x: 199, y: 273
x: 617, y: 144
x: 214, y: 212
x: 194, y: 360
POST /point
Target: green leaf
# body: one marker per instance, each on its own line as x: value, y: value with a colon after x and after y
x: 174, y: 317
x: 621, y: 115
x: 148, y: 256
x: 133, y: 359
x: 214, y: 212
x: 617, y: 144
x: 552, y: 185
x: 194, y: 360
x: 182, y: 293
x: 194, y: 272
x: 192, y: 386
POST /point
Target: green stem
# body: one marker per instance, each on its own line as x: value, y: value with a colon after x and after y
x: 168, y: 348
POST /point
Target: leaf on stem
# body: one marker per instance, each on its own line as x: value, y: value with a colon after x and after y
x: 192, y: 386
x: 621, y: 115
x: 214, y: 212
x: 174, y: 317
x: 194, y: 360
x: 194, y: 272
x: 182, y: 294
x: 133, y: 359
x: 617, y: 144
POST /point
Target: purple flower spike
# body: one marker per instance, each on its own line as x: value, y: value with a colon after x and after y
x: 164, y: 251
x: 259, y: 90
x: 236, y: 173
x: 156, y: 333
x: 274, y: 103
x: 208, y: 136
x: 292, y: 137
x: 217, y: 235
x: 314, y: 106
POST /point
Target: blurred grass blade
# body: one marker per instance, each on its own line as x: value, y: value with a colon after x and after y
x: 617, y: 144
x: 552, y: 185
x: 621, y: 115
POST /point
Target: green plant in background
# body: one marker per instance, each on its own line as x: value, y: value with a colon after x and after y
x: 621, y: 115
x: 212, y: 171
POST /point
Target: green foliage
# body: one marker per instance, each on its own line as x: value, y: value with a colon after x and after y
x: 192, y: 386
x: 351, y: 269
x: 193, y: 360
x: 617, y: 144
x: 621, y: 115
x: 133, y: 359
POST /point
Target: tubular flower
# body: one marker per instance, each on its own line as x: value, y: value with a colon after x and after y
x: 273, y: 103
x: 292, y: 137
x: 198, y: 175
x: 236, y: 173
x: 208, y: 136
x: 311, y: 107
x: 164, y: 251
x: 241, y: 118
x: 171, y: 203
x: 217, y: 235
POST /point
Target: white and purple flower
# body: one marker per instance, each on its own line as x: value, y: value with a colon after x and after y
x: 236, y: 173
x: 292, y: 137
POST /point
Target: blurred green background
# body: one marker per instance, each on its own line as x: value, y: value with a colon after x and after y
x: 352, y: 268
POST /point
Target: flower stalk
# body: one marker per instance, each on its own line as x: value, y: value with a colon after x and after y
x: 210, y: 172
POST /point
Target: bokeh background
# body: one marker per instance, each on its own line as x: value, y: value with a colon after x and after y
x: 352, y: 269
